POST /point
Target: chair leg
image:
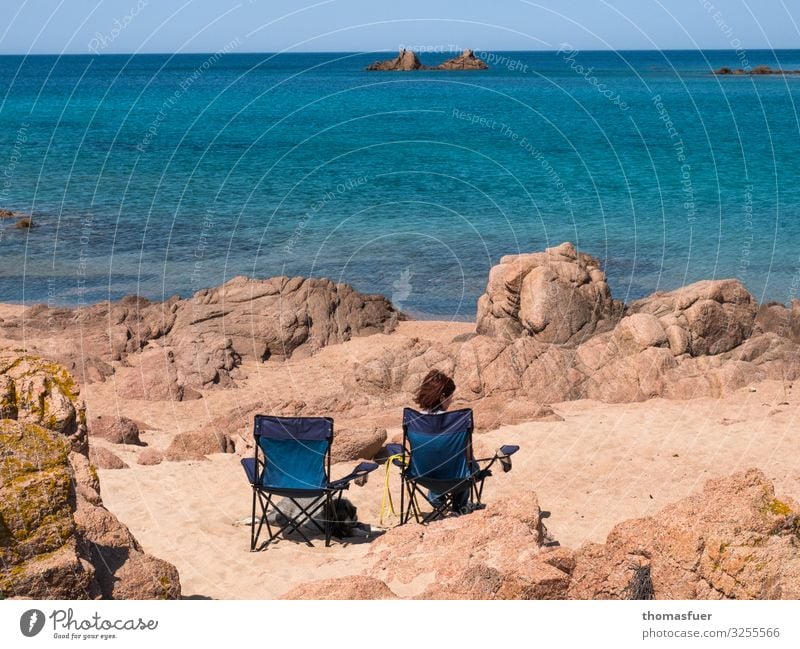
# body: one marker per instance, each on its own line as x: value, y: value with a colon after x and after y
x: 328, y: 516
x: 253, y: 524
x: 413, y: 506
x: 479, y: 491
x: 402, y: 499
x: 265, y: 502
x: 408, y: 507
x: 262, y: 519
x: 405, y: 510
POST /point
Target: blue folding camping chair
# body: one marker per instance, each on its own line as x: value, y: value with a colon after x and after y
x: 436, y: 462
x: 292, y: 462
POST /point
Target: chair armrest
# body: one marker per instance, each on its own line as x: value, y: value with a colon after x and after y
x: 504, y: 455
x: 361, y: 471
x: 364, y: 467
x: 250, y: 468
x: 394, y: 449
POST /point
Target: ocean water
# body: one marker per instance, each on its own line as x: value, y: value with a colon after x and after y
x: 157, y: 175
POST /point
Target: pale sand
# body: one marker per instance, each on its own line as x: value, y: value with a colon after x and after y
x: 603, y: 464
x: 11, y: 310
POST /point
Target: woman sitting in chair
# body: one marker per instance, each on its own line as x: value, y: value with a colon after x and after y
x: 434, y: 397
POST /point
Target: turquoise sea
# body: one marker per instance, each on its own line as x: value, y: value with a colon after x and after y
x: 158, y: 174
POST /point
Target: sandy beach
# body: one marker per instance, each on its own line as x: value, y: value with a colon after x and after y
x: 603, y: 464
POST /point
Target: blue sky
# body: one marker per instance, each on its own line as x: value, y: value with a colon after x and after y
x: 122, y: 26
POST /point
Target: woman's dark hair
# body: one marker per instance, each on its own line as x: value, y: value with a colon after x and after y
x: 435, y: 389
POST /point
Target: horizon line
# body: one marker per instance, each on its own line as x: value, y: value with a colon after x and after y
x: 433, y: 49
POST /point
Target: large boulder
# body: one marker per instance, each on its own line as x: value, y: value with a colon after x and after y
x: 33, y: 390
x: 495, y: 553
x: 357, y: 443
x: 57, y: 540
x: 279, y: 317
x: 733, y: 540
x: 178, y: 372
x: 614, y: 376
x: 705, y: 318
x: 195, y: 344
x: 557, y: 335
x: 122, y: 569
x: 557, y: 296
x: 398, y: 369
x: 482, y: 366
x: 41, y: 553
x: 204, y: 361
x: 623, y: 366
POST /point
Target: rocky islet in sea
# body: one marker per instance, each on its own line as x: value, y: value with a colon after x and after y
x: 408, y: 60
x: 759, y: 70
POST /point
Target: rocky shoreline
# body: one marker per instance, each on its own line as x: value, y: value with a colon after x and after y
x: 179, y: 381
x: 184, y: 346
x: 547, y: 330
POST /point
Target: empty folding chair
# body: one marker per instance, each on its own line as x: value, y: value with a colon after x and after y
x: 291, y: 465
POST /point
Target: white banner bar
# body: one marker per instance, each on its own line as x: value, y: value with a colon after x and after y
x: 399, y: 623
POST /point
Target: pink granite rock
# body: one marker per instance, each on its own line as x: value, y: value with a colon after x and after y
x: 57, y: 540
x: 733, y: 540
